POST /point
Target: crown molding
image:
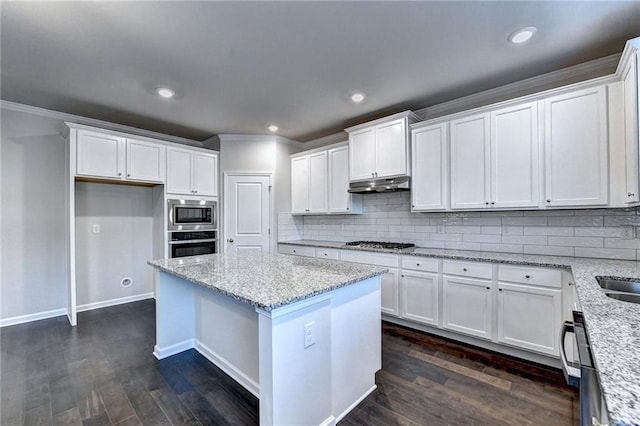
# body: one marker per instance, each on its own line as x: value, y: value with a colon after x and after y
x: 554, y: 79
x: 93, y: 122
x: 327, y: 140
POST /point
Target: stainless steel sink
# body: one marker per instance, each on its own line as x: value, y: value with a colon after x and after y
x: 627, y: 290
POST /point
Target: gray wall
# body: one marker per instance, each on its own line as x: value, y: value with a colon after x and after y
x: 604, y: 233
x: 32, y: 215
x: 123, y: 246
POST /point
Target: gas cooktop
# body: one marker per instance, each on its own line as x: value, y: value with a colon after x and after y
x: 380, y: 245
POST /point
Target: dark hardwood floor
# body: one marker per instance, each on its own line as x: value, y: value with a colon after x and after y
x: 103, y: 372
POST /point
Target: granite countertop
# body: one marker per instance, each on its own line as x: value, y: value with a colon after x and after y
x: 267, y: 281
x: 613, y: 327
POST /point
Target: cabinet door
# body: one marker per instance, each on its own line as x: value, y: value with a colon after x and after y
x: 391, y: 149
x: 430, y: 167
x: 467, y: 306
x: 576, y: 160
x: 630, y: 88
x: 318, y: 182
x: 389, y: 292
x: 470, y: 162
x: 145, y: 161
x: 179, y: 171
x: 205, y: 174
x: 100, y: 155
x: 515, y: 178
x: 339, y: 198
x: 420, y: 297
x: 362, y: 154
x: 529, y: 317
x: 300, y: 184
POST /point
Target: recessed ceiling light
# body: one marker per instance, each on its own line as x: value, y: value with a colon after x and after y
x: 521, y: 35
x: 165, y: 92
x: 273, y: 128
x: 356, y: 98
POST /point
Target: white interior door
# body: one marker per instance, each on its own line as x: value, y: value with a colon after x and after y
x: 247, y: 213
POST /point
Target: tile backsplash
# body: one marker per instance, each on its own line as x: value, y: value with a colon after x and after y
x: 602, y: 233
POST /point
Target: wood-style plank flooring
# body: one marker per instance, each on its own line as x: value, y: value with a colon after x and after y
x: 102, y: 372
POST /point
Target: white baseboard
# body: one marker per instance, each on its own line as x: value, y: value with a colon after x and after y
x: 229, y: 369
x: 114, y: 302
x: 21, y: 319
x: 355, y: 403
x: 161, y: 353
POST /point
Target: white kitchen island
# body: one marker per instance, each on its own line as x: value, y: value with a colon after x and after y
x: 302, y: 334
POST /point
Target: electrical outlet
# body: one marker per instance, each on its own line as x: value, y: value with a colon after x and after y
x: 309, y: 335
x: 96, y: 228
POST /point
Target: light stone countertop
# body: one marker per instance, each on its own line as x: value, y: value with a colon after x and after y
x: 267, y: 281
x: 613, y: 326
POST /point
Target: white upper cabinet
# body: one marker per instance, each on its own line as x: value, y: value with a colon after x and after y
x: 309, y: 183
x: 145, y: 161
x: 430, y: 167
x: 101, y: 155
x: 631, y: 96
x: 320, y: 180
x: 515, y: 180
x: 192, y: 173
x: 340, y: 200
x: 380, y: 149
x: 495, y: 159
x: 576, y: 149
x: 470, y: 145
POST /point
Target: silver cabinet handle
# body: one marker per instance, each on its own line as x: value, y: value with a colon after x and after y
x: 630, y: 194
x: 486, y: 202
x: 230, y: 240
x: 119, y: 174
x: 464, y: 269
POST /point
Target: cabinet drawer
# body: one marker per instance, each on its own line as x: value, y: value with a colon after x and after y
x: 418, y: 263
x: 468, y: 269
x: 379, y: 259
x: 297, y: 250
x: 327, y: 253
x: 530, y: 275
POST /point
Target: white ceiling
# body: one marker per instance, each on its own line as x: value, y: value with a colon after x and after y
x: 240, y: 66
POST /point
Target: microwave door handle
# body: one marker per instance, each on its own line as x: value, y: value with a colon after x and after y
x: 569, y: 371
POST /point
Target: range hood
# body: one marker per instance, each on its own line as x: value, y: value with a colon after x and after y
x: 380, y: 185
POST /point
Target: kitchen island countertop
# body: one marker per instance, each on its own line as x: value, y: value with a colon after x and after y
x: 266, y: 281
x: 613, y: 326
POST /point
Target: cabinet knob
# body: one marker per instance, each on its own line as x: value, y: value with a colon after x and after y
x: 294, y: 251
x: 128, y: 174
x: 230, y: 240
x: 499, y: 289
x: 347, y: 208
x: 488, y: 288
x: 195, y: 191
x: 527, y: 276
x: 548, y: 201
x: 402, y: 275
x: 413, y: 205
x: 119, y: 174
x: 417, y: 264
x: 464, y: 269
x: 569, y: 283
x: 325, y: 254
x: 486, y: 202
x: 493, y: 202
x: 630, y: 194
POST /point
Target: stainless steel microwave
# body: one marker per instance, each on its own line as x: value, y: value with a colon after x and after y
x: 192, y: 215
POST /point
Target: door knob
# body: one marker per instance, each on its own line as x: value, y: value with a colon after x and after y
x: 230, y: 240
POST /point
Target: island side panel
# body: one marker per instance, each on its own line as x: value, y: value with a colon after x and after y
x: 295, y: 382
x: 175, y: 315
x: 356, y: 345
x: 227, y: 335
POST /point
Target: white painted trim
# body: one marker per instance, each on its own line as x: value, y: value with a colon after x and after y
x: 412, y: 116
x: 327, y: 140
x: 114, y: 302
x: 228, y: 368
x: 330, y: 421
x: 239, y: 137
x: 21, y: 319
x: 161, y: 353
x: 14, y: 106
x: 319, y: 149
x: 355, y: 403
x: 533, y: 84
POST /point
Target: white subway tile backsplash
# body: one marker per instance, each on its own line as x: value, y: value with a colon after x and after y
x: 609, y: 233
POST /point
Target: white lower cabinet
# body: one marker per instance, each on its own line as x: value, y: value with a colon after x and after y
x: 420, y: 292
x: 389, y: 293
x: 467, y: 306
x: 529, y: 317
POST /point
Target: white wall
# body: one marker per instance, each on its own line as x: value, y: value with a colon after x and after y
x: 32, y: 215
x: 123, y: 246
